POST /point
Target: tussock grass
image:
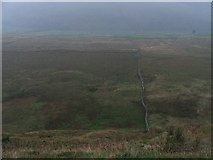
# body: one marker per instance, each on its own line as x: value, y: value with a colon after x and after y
x: 105, y: 143
x: 85, y: 103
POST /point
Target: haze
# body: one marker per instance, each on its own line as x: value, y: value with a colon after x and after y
x: 107, y: 18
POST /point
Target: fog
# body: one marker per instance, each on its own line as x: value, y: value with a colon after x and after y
x: 107, y: 18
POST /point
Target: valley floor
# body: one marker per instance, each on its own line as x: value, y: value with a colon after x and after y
x: 80, y: 96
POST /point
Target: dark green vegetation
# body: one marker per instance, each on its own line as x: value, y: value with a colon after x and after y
x: 71, y: 90
x: 84, y: 100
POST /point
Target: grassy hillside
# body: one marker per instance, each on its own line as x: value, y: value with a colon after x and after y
x: 117, y: 143
x: 86, y: 102
x: 70, y: 90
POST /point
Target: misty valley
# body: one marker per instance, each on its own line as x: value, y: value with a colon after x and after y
x: 106, y: 81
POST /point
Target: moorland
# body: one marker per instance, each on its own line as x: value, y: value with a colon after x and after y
x: 79, y: 96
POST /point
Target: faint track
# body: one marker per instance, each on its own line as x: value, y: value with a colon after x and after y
x: 140, y: 76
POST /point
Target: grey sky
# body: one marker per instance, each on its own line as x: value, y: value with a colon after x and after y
x: 107, y: 18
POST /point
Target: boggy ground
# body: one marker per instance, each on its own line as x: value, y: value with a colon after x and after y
x: 80, y: 97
